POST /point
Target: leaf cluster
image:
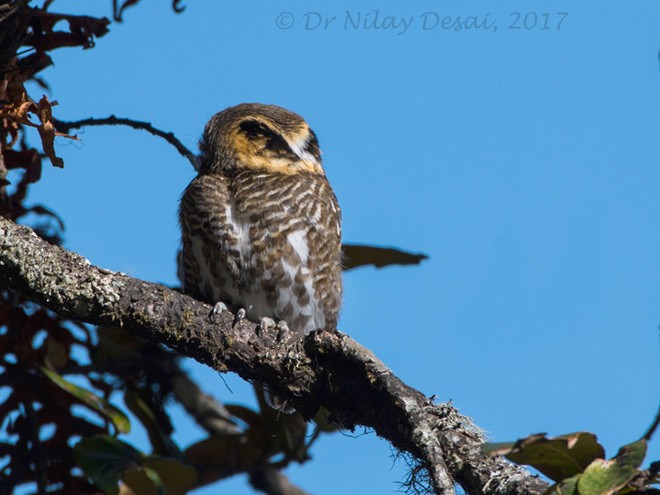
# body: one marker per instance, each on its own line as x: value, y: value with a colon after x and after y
x: 577, y: 464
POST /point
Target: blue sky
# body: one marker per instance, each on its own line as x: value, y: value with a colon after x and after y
x: 524, y: 162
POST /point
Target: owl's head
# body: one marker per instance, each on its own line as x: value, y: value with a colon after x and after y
x: 259, y: 137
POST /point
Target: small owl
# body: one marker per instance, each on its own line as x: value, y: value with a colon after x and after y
x: 261, y: 227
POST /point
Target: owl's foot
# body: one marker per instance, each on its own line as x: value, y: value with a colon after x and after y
x: 240, y: 315
x: 283, y: 329
x: 266, y: 324
x: 217, y: 309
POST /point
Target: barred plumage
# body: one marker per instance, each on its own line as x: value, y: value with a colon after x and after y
x: 261, y: 227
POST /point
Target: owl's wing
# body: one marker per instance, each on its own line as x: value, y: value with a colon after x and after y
x: 208, y: 259
x: 321, y: 215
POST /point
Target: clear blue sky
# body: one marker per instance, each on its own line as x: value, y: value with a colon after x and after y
x: 525, y: 163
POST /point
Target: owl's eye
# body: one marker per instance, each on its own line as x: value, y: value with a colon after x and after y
x: 254, y: 129
x: 273, y: 141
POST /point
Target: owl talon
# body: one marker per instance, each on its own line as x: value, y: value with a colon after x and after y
x: 266, y: 324
x: 283, y: 328
x: 217, y: 309
x: 240, y: 315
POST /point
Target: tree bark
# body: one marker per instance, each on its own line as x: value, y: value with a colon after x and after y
x: 324, y: 369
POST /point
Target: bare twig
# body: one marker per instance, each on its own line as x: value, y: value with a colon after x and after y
x: 205, y: 410
x: 654, y: 426
x: 326, y: 369
x: 66, y: 126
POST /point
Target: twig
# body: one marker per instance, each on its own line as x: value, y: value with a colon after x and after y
x: 272, y: 482
x: 204, y: 409
x: 66, y: 126
x: 654, y: 426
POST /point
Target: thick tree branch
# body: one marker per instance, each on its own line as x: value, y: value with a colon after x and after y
x: 326, y: 369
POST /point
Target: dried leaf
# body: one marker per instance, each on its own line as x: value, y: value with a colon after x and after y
x: 47, y: 130
x: 27, y: 159
x: 82, y: 30
x: 355, y: 255
x: 44, y: 111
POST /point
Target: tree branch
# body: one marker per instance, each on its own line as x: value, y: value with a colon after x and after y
x: 651, y: 429
x: 271, y: 481
x: 326, y: 369
x: 65, y: 127
x: 215, y: 419
x: 205, y: 410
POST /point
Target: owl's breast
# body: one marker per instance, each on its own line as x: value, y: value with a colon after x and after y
x: 264, y: 245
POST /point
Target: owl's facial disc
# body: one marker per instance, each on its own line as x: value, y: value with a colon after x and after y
x: 261, y: 144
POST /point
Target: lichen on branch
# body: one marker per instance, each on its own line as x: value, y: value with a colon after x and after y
x: 325, y: 369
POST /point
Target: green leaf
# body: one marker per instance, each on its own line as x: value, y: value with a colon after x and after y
x: 565, y: 487
x: 632, y: 454
x: 102, y: 406
x: 105, y: 459
x: 160, y: 441
x: 160, y: 476
x: 108, y: 461
x: 558, y: 458
x: 355, y: 255
x: 605, y: 477
x: 608, y: 477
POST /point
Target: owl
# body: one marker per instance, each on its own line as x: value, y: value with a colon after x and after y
x: 261, y: 226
